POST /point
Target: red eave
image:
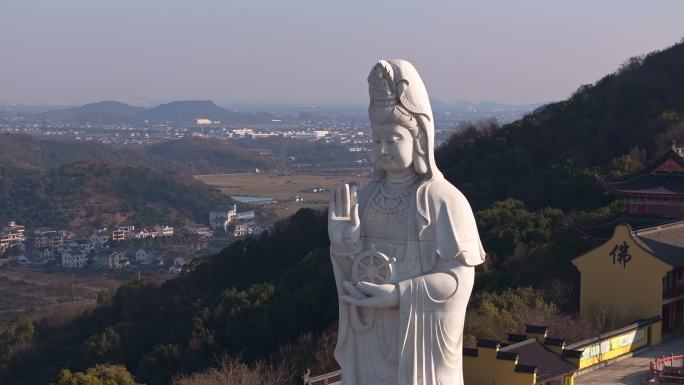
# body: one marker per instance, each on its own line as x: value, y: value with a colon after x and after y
x: 606, y: 187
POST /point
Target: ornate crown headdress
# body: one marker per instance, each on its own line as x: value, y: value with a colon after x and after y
x: 391, y: 93
x: 381, y: 83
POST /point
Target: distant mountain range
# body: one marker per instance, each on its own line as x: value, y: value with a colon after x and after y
x: 188, y: 111
x: 112, y: 112
x: 484, y: 106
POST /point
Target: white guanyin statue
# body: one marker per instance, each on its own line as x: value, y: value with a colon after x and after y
x: 403, y: 248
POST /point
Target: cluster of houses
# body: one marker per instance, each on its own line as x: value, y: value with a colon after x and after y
x: 122, y: 233
x: 77, y: 251
x: 12, y: 235
x: 100, y: 250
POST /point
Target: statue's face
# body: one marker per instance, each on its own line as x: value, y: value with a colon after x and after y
x: 393, y: 147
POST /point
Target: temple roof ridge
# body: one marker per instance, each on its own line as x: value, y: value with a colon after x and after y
x: 661, y: 227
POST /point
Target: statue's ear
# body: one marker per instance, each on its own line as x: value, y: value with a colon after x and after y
x: 420, y: 141
x: 420, y: 164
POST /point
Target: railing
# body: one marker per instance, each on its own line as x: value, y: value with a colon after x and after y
x: 668, y: 369
x: 324, y: 379
x: 608, y: 346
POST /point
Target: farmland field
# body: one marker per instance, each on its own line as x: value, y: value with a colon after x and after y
x: 282, y: 188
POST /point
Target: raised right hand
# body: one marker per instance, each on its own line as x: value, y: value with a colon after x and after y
x: 344, y: 226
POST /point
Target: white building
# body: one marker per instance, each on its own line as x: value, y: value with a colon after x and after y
x: 222, y: 216
x: 99, y: 239
x: 164, y: 231
x: 201, y: 230
x: 74, y: 258
x: 110, y: 259
x: 143, y: 257
x: 122, y: 233
x: 12, y: 235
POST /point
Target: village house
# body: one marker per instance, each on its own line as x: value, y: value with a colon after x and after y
x: 109, y: 259
x: 201, y: 230
x: 74, y: 258
x: 144, y: 233
x: 241, y: 231
x: 164, y: 231
x: 178, y: 264
x: 83, y: 244
x: 12, y: 235
x: 143, y: 257
x: 100, y: 238
x: 53, y: 239
x: 122, y: 233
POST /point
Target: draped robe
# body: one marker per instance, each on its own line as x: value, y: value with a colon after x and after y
x: 435, y: 244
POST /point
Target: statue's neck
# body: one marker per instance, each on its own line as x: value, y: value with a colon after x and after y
x: 400, y: 181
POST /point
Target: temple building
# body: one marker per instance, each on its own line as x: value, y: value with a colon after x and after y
x: 637, y: 269
x: 656, y: 191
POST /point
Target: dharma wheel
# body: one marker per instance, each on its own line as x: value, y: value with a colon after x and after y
x: 372, y: 266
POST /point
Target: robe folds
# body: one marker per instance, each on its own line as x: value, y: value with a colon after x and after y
x: 436, y: 249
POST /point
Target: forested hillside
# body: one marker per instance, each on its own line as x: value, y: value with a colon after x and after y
x: 89, y: 193
x: 549, y: 157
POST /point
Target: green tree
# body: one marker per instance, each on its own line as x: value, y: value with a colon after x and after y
x: 98, y: 375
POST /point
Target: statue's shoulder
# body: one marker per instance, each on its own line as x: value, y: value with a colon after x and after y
x: 440, y: 191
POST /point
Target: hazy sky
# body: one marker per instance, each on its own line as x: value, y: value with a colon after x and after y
x: 318, y: 51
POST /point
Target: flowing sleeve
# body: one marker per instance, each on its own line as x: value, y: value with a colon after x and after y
x: 453, y: 232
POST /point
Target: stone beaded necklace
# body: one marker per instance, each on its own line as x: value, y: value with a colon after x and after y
x: 390, y: 205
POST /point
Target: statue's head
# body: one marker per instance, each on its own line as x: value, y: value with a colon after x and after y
x: 401, y: 119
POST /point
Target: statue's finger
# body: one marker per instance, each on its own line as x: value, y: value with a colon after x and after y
x: 338, y: 201
x: 352, y: 290
x: 355, y: 221
x: 353, y: 301
x: 367, y: 287
x: 345, y: 200
x: 354, y: 194
x: 331, y: 206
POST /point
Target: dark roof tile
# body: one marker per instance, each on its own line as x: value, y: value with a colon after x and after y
x: 554, y: 341
x: 511, y: 356
x: 525, y: 368
x: 533, y: 353
x: 536, y: 329
x: 485, y: 343
x: 512, y: 337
